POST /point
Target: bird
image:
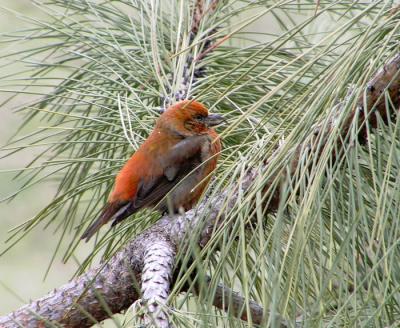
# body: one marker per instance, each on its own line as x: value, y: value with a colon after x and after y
x: 170, y: 170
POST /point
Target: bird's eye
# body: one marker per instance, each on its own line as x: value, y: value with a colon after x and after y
x: 198, y: 117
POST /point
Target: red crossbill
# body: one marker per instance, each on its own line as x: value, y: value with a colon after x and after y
x: 176, y: 160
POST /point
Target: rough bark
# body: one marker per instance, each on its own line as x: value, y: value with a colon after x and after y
x: 156, y: 277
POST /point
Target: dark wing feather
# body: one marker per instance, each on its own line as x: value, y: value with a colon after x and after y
x: 178, y: 163
x: 165, y: 184
x: 182, y: 151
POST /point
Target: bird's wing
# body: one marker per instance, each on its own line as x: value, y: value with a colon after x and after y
x: 160, y: 186
x: 183, y: 150
x: 181, y: 159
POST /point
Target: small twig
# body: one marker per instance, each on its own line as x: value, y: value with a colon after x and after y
x: 230, y: 301
x: 211, y: 48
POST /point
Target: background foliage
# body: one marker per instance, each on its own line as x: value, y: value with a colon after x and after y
x: 96, y: 73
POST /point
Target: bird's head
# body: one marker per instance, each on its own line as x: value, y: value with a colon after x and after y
x: 189, y: 118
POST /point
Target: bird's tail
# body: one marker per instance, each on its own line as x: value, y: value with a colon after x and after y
x: 109, y: 211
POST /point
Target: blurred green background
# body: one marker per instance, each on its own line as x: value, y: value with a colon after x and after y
x: 23, y: 267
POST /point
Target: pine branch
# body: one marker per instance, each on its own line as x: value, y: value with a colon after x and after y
x: 364, y: 117
x: 80, y: 302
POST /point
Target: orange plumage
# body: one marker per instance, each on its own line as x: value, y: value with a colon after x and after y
x: 175, y: 160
